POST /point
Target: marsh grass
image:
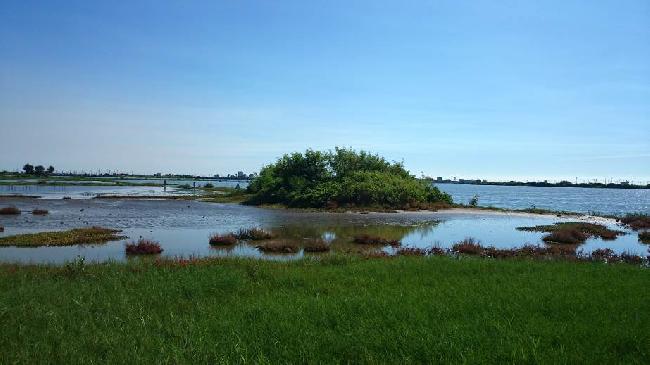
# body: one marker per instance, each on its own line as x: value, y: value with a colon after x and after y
x: 367, y: 239
x: 222, y: 239
x: 573, y: 233
x: 253, y: 234
x: 40, y: 212
x: 280, y: 246
x: 636, y: 221
x: 315, y: 245
x: 9, y: 211
x: 64, y: 238
x: 644, y: 237
x: 143, y: 247
x: 330, y: 309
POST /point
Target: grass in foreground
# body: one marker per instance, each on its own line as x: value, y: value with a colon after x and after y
x: 65, y: 238
x: 337, y: 309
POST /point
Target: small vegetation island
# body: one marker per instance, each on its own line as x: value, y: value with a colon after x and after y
x: 343, y: 178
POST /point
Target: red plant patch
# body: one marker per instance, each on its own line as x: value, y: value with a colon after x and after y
x: 468, y: 246
x: 223, y: 240
x: 40, y: 212
x: 566, y: 236
x: 9, y: 211
x: 143, y: 247
x: 366, y: 239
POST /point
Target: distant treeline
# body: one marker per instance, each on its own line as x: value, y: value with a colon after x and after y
x: 623, y: 185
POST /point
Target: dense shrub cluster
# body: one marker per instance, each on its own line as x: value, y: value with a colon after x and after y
x: 342, y: 177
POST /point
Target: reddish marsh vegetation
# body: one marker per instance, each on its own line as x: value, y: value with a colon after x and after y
x: 573, y: 233
x: 636, y: 221
x: 9, y: 211
x: 366, y: 239
x: 279, y: 247
x: 143, y: 247
x: 223, y: 240
x: 40, y: 212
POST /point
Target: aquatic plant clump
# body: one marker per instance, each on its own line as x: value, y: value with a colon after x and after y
x: 9, y: 211
x: 636, y: 221
x: 40, y: 212
x: 223, y: 240
x: 65, y: 238
x: 342, y: 178
x: 366, y: 239
x: 316, y: 246
x: 253, y: 234
x: 279, y: 247
x: 573, y: 233
x: 644, y: 237
x: 143, y: 247
x: 468, y: 246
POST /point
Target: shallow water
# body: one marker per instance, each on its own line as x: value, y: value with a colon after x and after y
x: 183, y: 228
x: 581, y: 200
x: 87, y: 192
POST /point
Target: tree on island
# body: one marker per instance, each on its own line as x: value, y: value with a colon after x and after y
x: 50, y: 170
x: 39, y: 170
x: 29, y: 169
x: 342, y: 178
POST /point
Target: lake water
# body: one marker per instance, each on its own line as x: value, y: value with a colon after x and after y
x: 183, y: 228
x: 581, y: 200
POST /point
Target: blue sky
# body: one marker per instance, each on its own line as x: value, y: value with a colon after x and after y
x: 499, y: 90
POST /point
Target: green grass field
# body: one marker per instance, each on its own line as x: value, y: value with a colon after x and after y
x: 338, y: 309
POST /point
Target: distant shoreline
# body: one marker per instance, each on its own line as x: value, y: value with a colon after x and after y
x: 547, y: 185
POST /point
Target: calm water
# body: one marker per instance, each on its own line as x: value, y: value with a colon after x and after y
x: 88, y: 192
x: 183, y: 228
x: 581, y: 200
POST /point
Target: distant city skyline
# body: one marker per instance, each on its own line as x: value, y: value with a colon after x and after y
x: 511, y: 90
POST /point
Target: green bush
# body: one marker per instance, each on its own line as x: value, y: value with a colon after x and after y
x: 342, y: 177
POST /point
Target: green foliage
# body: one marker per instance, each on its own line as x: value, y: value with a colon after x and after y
x: 342, y: 177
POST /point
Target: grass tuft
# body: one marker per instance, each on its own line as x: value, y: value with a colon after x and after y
x: 9, y: 211
x: 644, y: 237
x: 253, y: 234
x: 223, y: 240
x: 143, y: 247
x: 366, y: 239
x: 636, y: 221
x: 40, y: 212
x: 573, y: 233
x: 468, y: 246
x: 317, y: 245
x: 282, y: 246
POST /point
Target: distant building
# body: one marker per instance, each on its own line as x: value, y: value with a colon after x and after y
x: 439, y: 179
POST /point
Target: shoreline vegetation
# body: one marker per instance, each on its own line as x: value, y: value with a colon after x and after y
x: 429, y: 309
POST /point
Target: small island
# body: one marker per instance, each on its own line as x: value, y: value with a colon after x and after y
x: 343, y: 178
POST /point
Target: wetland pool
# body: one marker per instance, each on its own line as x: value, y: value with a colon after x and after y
x: 183, y: 228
